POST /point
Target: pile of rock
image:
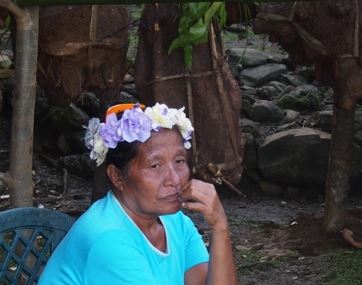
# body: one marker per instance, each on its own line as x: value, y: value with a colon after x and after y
x: 286, y: 122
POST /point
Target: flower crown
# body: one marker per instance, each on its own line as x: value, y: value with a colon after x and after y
x: 134, y: 125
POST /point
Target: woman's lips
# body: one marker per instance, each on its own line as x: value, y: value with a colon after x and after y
x: 172, y: 198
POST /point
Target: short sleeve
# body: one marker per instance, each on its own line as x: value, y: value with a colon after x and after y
x: 114, y: 260
x: 195, y: 248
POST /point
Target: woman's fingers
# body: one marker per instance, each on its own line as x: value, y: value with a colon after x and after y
x: 202, y: 197
x: 193, y: 206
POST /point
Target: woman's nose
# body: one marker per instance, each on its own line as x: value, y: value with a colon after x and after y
x: 172, y: 176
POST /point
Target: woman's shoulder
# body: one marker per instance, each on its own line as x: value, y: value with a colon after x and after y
x: 179, y: 220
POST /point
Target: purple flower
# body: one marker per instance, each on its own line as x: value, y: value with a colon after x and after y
x: 110, y: 131
x: 135, y: 125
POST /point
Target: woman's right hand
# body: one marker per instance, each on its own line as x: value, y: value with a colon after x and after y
x: 201, y: 197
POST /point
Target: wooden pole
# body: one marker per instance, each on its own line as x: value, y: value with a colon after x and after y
x: 19, y: 178
x: 347, y: 90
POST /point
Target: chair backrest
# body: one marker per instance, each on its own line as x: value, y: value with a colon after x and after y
x: 28, y: 236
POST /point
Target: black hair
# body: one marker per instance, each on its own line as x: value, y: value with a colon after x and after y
x: 121, y: 156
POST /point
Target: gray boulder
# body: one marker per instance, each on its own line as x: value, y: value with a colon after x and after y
x: 247, y: 57
x: 272, y: 90
x: 293, y: 79
x: 295, y: 157
x: 358, y: 138
x: 266, y: 111
x: 302, y: 98
x: 321, y: 120
x: 249, y: 126
x: 260, y: 75
x: 290, y: 116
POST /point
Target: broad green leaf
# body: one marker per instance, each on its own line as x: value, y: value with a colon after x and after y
x: 194, y: 26
x: 212, y: 11
x: 195, y: 34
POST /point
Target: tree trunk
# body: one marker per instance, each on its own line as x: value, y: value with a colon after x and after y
x: 337, y: 185
x: 208, y: 91
x: 21, y: 188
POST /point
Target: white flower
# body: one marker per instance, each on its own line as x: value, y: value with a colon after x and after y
x: 99, y: 150
x: 184, y: 124
x: 187, y: 145
x: 95, y: 142
x: 160, y: 116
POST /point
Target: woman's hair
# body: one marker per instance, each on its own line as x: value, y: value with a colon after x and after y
x: 122, y: 155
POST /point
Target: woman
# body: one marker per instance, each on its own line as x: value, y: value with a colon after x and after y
x: 137, y: 233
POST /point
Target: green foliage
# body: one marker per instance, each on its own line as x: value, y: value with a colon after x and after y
x: 345, y: 268
x: 248, y: 261
x: 194, y: 26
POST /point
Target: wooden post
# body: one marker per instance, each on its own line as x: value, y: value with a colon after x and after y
x: 340, y: 155
x: 19, y: 178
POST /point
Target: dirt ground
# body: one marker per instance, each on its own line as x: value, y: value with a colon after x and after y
x: 276, y: 241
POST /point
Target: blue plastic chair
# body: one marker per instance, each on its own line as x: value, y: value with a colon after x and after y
x: 28, y: 236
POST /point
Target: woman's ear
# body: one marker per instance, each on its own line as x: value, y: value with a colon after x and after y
x: 116, y: 177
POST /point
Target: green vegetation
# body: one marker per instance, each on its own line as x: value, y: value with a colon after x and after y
x: 248, y: 261
x: 235, y: 221
x: 194, y: 26
x: 345, y: 268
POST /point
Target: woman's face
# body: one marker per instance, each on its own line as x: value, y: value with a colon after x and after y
x: 153, y: 183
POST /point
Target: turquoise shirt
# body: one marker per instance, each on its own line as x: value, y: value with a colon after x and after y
x: 106, y: 247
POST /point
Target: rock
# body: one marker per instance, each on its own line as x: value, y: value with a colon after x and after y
x: 266, y: 111
x: 248, y: 98
x: 295, y: 157
x: 257, y: 76
x: 249, y: 91
x: 89, y: 103
x: 293, y: 79
x: 290, y: 116
x: 127, y: 97
x: 5, y: 61
x: 68, y: 119
x: 307, y: 72
x: 247, y: 57
x: 270, y: 188
x: 129, y: 88
x: 328, y: 107
x: 303, y: 98
x: 272, y: 90
x: 41, y: 104
x: 128, y: 78
x: 292, y: 125
x: 358, y: 138
x: 249, y: 126
x: 358, y: 118
x: 327, y: 95
x: 250, y: 159
x: 321, y: 120
x: 79, y: 164
x: 76, y: 140
x: 63, y: 145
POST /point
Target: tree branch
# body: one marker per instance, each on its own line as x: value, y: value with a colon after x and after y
x: 23, y: 20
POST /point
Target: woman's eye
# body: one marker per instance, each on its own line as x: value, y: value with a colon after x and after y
x: 180, y: 161
x: 155, y: 165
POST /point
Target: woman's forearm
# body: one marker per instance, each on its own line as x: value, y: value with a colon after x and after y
x: 221, y: 265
